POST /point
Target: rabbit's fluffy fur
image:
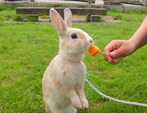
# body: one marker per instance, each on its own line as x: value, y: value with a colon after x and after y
x: 63, y: 80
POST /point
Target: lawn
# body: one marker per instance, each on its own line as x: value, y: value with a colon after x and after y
x: 26, y: 49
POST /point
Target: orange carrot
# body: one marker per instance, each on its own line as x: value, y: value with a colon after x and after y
x: 93, y: 50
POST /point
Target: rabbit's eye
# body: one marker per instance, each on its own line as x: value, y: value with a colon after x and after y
x: 74, y: 36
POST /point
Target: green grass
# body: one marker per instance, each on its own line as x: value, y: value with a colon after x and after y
x: 45, y: 17
x: 27, y: 48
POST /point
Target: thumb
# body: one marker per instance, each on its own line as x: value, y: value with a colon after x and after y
x: 116, y: 53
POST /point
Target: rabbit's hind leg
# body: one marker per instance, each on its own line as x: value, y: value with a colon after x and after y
x: 68, y: 109
x: 71, y: 109
x: 47, y: 109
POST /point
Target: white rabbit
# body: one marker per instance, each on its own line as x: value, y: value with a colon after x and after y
x: 63, y: 80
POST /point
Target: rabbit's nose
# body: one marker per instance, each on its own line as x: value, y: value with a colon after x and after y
x: 91, y: 41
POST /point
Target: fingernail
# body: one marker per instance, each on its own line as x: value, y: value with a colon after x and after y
x: 112, y: 54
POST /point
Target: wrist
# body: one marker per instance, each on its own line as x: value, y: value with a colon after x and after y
x: 139, y: 39
x: 133, y: 45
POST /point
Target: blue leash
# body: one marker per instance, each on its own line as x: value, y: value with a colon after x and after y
x: 117, y: 100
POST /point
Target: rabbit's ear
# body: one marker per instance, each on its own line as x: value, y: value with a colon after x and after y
x: 57, y: 22
x: 68, y: 17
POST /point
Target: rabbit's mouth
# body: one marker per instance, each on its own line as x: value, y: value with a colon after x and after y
x: 90, y: 44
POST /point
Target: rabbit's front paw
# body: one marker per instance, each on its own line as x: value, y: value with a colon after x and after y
x: 77, y: 104
x: 84, y: 104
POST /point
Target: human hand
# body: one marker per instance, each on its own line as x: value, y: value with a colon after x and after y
x: 118, y: 49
